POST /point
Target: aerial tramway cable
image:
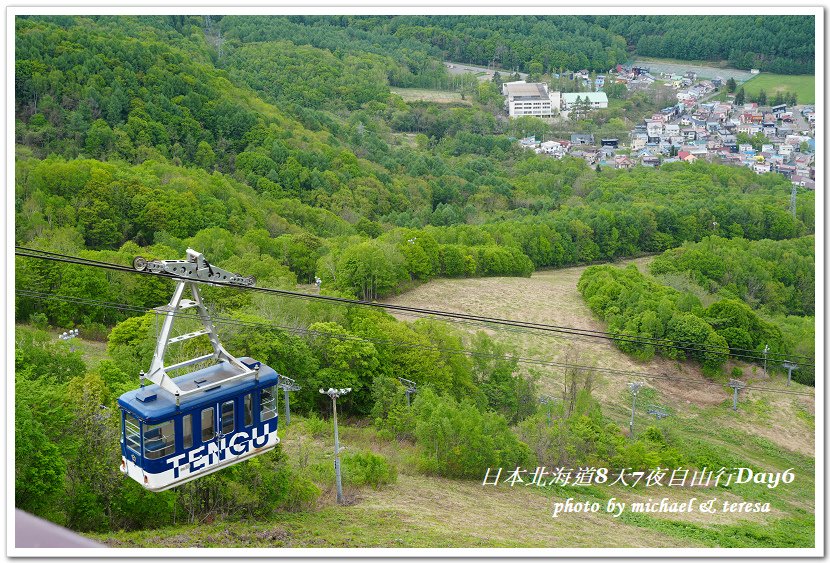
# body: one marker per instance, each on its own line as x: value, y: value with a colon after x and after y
x: 227, y: 321
x: 462, y: 317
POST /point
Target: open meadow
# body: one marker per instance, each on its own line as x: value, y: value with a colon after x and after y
x: 424, y: 510
x: 803, y: 85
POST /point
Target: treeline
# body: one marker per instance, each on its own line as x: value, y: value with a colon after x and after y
x: 776, y: 275
x: 70, y: 206
x: 642, y: 310
x: 545, y: 44
x: 156, y: 100
x: 783, y: 44
x: 408, y: 62
x: 530, y: 43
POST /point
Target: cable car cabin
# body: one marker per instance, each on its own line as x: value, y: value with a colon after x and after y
x: 164, y: 445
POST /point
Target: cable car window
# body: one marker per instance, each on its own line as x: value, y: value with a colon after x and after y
x: 159, y: 440
x: 187, y: 431
x: 248, y: 407
x: 227, y: 417
x: 267, y: 403
x: 207, y: 424
x: 132, y: 432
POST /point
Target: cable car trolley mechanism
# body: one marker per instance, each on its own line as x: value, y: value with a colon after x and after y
x: 176, y: 429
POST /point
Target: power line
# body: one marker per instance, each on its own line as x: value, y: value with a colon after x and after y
x: 228, y: 321
x: 664, y: 343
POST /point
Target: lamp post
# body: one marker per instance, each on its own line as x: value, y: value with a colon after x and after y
x: 634, y: 388
x: 548, y: 401
x: 334, y: 394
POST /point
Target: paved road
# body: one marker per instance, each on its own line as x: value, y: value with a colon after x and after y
x: 702, y: 71
x: 461, y: 68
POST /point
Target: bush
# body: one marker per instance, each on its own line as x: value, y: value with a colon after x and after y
x: 369, y: 469
x: 458, y: 440
x: 39, y: 320
x: 317, y: 426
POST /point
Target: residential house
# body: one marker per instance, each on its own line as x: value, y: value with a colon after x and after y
x: 650, y: 160
x: 553, y: 148
x: 785, y: 149
x: 528, y: 143
x: 654, y: 129
x: 623, y: 162
x: 761, y: 167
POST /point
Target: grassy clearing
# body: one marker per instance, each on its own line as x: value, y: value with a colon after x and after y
x: 804, y: 86
x: 768, y: 433
x: 704, y: 69
x: 435, y: 96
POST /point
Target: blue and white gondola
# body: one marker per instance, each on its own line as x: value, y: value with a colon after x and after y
x: 164, y: 445
x: 176, y: 429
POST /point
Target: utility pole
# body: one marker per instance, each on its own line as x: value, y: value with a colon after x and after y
x: 410, y: 388
x: 287, y: 384
x: 547, y: 400
x: 736, y: 386
x: 766, y: 351
x: 792, y: 201
x: 634, y: 388
x: 789, y: 366
x: 68, y: 336
x: 334, y: 394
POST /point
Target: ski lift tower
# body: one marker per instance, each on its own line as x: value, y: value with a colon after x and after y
x: 658, y: 412
x: 736, y: 386
x: 410, y: 389
x: 287, y: 384
x: 789, y: 366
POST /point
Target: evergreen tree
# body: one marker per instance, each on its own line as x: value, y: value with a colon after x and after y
x: 740, y: 97
x: 762, y: 98
x: 731, y: 85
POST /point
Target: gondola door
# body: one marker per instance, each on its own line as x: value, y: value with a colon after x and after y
x: 218, y: 421
x: 225, y: 422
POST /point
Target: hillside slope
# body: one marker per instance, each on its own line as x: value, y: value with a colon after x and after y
x: 421, y: 510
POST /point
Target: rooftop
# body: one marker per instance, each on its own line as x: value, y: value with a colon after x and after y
x: 527, y: 91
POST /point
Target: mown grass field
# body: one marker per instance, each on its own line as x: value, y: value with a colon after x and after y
x: 424, y: 95
x: 804, y: 86
x: 770, y: 432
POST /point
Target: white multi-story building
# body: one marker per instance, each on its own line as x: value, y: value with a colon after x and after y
x: 530, y: 99
x: 596, y: 100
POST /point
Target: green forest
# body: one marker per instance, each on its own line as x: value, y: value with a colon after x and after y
x: 274, y: 146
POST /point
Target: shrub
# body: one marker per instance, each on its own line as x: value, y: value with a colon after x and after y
x: 39, y: 320
x: 367, y: 468
x: 458, y: 440
x: 316, y: 426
